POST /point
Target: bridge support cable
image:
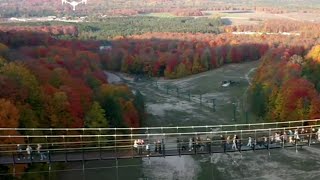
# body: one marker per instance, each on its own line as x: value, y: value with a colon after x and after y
x: 179, y: 146
x: 255, y: 140
x: 289, y: 123
x: 14, y: 170
x: 179, y: 141
x: 208, y: 141
x: 51, y: 134
x: 82, y: 149
x: 48, y: 150
x: 99, y: 143
x: 310, y: 136
x: 225, y: 143
x: 269, y: 142
x: 296, y: 144
x: 148, y: 144
x: 115, y: 143
x: 49, y: 157
x: 283, y: 137
x: 117, y: 169
x: 241, y: 140
x: 12, y: 154
x: 13, y: 159
x: 65, y: 149
x: 49, y: 170
x: 163, y: 147
x: 131, y: 142
x: 83, y: 170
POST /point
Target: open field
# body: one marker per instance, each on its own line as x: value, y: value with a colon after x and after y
x: 169, y: 110
x: 249, y: 17
x: 256, y: 17
x: 172, y: 110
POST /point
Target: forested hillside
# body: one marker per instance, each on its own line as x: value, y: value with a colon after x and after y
x: 46, y: 82
x: 286, y: 86
x: 175, y: 55
x: 108, y: 28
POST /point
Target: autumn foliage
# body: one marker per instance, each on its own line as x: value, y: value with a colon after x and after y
x: 47, y: 82
x: 286, y: 86
x: 53, y: 30
x: 314, y: 54
x: 175, y: 55
x: 305, y: 29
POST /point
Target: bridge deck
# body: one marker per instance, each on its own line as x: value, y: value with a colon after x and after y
x: 105, y: 154
x: 84, y: 144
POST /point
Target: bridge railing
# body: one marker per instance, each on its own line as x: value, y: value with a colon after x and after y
x: 75, y: 146
x: 153, y: 130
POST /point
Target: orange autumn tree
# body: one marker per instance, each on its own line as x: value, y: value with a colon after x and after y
x: 290, y: 84
x: 9, y: 118
x: 293, y: 101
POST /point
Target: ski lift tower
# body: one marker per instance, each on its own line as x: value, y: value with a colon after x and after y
x: 73, y: 3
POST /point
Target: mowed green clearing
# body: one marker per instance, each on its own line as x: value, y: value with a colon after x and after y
x: 174, y: 108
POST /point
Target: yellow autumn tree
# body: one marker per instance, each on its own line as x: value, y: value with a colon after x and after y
x: 314, y: 54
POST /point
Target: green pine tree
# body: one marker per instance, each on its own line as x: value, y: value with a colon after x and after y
x: 95, y: 117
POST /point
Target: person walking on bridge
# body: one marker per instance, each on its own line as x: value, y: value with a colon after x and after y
x: 42, y: 156
x: 208, y: 142
x: 265, y: 141
x: 302, y: 134
x: 190, y: 144
x: 318, y: 134
x: 284, y: 137
x: 254, y: 144
x: 160, y: 146
x: 19, y: 149
x: 135, y: 145
x: 249, y: 142
x: 296, y: 136
x: 178, y: 145
x: 29, y: 152
x: 224, y: 143
x: 148, y: 149
x: 140, y: 143
x: 234, y: 143
x: 290, y: 136
x: 228, y: 141
x: 277, y: 137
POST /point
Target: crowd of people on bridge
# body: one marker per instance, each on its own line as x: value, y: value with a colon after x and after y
x: 140, y: 146
x: 233, y: 142
x: 28, y: 153
x: 200, y: 143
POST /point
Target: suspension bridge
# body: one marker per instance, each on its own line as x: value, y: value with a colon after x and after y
x: 88, y: 144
